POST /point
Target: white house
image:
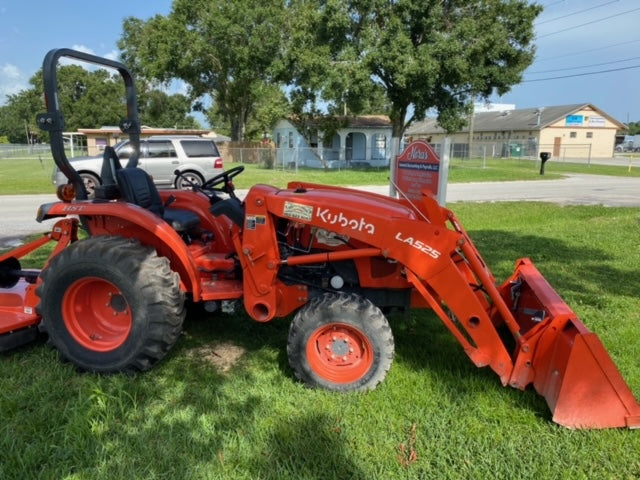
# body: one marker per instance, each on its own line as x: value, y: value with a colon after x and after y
x: 363, y: 141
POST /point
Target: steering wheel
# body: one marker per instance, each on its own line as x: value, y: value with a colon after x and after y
x: 223, y: 177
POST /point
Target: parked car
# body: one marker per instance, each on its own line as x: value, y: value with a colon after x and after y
x: 197, y: 159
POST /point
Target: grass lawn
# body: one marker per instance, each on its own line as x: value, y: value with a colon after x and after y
x: 32, y: 175
x: 224, y: 403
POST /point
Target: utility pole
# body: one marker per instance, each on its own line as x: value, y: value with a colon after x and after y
x: 471, y: 121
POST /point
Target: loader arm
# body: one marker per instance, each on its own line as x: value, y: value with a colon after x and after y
x: 521, y: 329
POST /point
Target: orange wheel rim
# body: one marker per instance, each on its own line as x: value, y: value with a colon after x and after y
x: 340, y: 353
x: 97, y: 314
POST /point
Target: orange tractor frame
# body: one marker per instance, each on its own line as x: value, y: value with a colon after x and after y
x: 337, y: 258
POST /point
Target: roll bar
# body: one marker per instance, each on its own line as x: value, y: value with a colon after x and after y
x: 53, y: 120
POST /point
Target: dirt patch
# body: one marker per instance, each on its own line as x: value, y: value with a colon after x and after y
x: 224, y: 356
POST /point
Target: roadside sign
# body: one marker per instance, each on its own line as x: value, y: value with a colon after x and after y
x: 419, y: 168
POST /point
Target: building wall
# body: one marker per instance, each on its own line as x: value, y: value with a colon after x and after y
x: 350, y: 146
x: 584, y: 134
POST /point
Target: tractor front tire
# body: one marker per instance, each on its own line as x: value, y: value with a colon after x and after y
x: 340, y: 342
x: 111, y: 305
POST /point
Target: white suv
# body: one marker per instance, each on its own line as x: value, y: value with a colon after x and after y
x: 196, y: 158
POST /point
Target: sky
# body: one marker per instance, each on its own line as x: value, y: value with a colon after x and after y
x: 575, y: 39
x: 593, y: 44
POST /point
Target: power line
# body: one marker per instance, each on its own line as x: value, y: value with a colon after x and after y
x: 552, y: 4
x: 576, y: 13
x: 581, y: 74
x: 587, y: 51
x: 584, y: 66
x: 589, y: 23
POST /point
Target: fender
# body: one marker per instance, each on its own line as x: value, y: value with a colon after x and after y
x: 199, y: 204
x: 132, y: 221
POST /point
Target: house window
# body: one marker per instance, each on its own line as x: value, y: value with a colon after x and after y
x: 589, y: 134
x: 573, y: 134
x: 379, y: 145
x: 278, y: 139
x: 290, y: 139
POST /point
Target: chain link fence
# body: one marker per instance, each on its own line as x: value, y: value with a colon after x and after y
x: 12, y: 150
x: 318, y: 158
x: 268, y: 156
x: 515, y: 149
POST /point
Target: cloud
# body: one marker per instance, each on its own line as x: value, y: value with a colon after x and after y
x: 111, y: 55
x: 12, y: 81
x: 79, y: 48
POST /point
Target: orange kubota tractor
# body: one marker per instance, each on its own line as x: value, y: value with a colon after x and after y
x: 336, y: 258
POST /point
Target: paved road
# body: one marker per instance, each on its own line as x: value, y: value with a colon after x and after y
x: 17, y: 212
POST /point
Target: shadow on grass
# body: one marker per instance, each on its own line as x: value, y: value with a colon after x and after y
x: 310, y: 446
x: 424, y: 345
x: 183, y: 419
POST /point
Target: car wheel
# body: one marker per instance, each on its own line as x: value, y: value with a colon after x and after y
x: 90, y: 184
x: 186, y: 180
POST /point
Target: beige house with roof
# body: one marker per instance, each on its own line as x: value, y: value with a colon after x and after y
x: 98, y: 138
x: 567, y: 131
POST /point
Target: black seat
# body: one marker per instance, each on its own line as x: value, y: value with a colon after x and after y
x: 108, y: 189
x: 138, y: 188
x: 232, y: 208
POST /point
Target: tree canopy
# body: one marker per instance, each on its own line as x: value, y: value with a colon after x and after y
x: 424, y: 55
x: 91, y: 99
x: 260, y: 60
x: 402, y: 57
x: 218, y: 48
x: 634, y: 128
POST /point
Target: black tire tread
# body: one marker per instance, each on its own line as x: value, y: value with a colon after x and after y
x: 307, y: 319
x: 158, y: 284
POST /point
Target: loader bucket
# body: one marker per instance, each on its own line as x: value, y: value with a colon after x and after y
x: 567, y: 364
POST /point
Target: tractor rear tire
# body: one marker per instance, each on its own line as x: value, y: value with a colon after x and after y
x: 340, y: 342
x: 111, y: 305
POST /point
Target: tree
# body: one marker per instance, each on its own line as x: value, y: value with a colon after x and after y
x: 162, y: 110
x: 425, y: 55
x: 218, y: 48
x: 271, y: 106
x: 634, y: 128
x: 90, y: 99
x: 17, y: 116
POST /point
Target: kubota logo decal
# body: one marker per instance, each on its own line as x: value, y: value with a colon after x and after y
x: 419, y: 245
x: 340, y: 219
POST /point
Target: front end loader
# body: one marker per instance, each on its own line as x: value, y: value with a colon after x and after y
x: 397, y: 253
x: 336, y: 259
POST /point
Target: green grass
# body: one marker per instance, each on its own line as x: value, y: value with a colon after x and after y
x: 32, y: 175
x: 190, y: 418
x: 28, y: 175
